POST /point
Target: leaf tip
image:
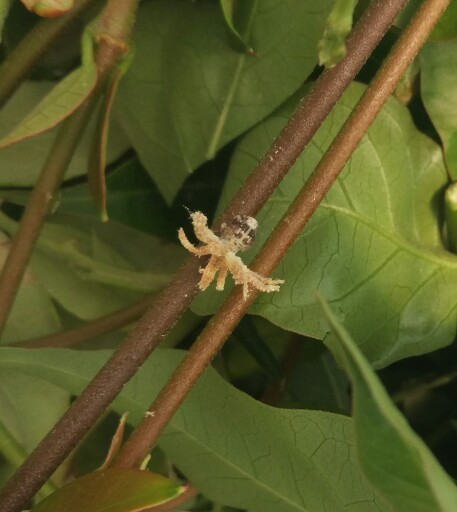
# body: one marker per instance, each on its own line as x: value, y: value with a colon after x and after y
x: 104, y: 217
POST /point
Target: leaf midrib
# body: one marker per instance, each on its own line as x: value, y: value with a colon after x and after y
x: 222, y: 118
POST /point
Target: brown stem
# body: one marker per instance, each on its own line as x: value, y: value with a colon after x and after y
x: 89, y: 330
x: 171, y: 303
x: 19, y: 63
x: 232, y: 310
x: 117, y: 21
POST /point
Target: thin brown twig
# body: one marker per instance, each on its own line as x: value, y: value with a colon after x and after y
x: 20, y: 62
x: 89, y: 330
x: 233, y: 309
x: 171, y: 303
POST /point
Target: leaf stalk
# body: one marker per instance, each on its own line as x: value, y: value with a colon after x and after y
x: 89, y: 330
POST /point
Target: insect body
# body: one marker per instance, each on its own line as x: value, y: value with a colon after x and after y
x: 234, y: 237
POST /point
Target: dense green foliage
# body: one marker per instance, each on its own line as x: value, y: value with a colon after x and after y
x: 205, y: 90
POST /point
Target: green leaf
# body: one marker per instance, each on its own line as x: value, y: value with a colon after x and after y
x: 113, y: 490
x: 13, y: 455
x: 30, y: 406
x: 85, y: 298
x: 313, y: 381
x: 238, y: 366
x: 450, y: 212
x: 393, y: 457
x: 10, y: 449
x: 238, y: 15
x: 446, y: 28
x: 60, y: 278
x: 132, y: 199
x: 234, y: 449
x: 21, y: 163
x: 185, y: 97
x: 60, y: 103
x: 4, y: 8
x: 439, y: 94
x: 144, y: 263
x: 249, y: 337
x: 373, y: 247
x: 332, y: 46
x: 89, y: 268
x: 407, y: 85
x: 116, y: 442
x: 32, y: 302
x: 316, y: 382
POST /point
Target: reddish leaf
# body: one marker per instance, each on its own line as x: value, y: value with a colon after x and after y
x: 97, y: 157
x: 115, y: 442
x: 112, y: 490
